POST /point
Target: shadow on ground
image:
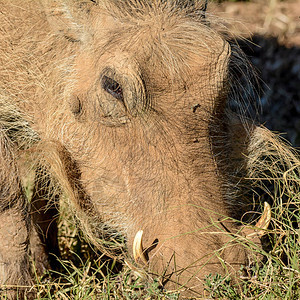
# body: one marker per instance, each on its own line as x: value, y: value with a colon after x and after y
x: 279, y: 68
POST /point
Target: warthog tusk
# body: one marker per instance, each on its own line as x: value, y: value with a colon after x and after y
x: 264, y: 221
x: 262, y: 224
x: 138, y: 251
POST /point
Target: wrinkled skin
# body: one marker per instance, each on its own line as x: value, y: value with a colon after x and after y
x: 136, y: 100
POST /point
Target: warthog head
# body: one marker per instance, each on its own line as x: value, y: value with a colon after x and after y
x: 157, y: 152
x: 137, y: 92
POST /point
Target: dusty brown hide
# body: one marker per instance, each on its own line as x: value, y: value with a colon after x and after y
x: 135, y: 97
x: 15, y: 229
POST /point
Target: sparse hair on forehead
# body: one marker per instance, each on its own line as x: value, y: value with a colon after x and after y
x: 173, y: 29
x: 137, y: 12
x: 135, y: 8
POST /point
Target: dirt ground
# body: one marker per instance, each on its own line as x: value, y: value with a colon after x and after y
x: 272, y: 28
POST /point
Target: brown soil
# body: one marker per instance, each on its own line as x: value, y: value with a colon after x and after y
x: 272, y: 29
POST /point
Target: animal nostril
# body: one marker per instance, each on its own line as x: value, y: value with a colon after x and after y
x: 112, y: 87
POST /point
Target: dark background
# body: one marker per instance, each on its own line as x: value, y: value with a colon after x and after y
x: 272, y: 32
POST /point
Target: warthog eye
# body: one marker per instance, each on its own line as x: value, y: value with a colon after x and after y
x: 112, y: 87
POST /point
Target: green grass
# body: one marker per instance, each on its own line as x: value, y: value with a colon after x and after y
x: 84, y: 273
x: 93, y: 279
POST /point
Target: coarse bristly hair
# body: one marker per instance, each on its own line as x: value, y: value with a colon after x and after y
x: 242, y: 93
x: 242, y: 176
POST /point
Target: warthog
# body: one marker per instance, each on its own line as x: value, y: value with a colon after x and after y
x: 130, y: 101
x: 15, y: 224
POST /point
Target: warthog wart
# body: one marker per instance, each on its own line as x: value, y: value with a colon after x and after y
x: 130, y: 103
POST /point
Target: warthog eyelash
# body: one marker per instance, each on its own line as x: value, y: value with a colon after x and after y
x: 112, y: 87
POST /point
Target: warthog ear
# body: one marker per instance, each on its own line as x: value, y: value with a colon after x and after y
x: 66, y: 17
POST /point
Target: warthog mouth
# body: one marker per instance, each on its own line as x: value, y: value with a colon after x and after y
x: 140, y: 254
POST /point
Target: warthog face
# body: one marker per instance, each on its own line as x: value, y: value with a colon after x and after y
x: 150, y: 90
x: 137, y: 94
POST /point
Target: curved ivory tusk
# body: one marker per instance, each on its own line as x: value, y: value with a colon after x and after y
x: 262, y: 224
x: 138, y: 251
x: 265, y: 218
